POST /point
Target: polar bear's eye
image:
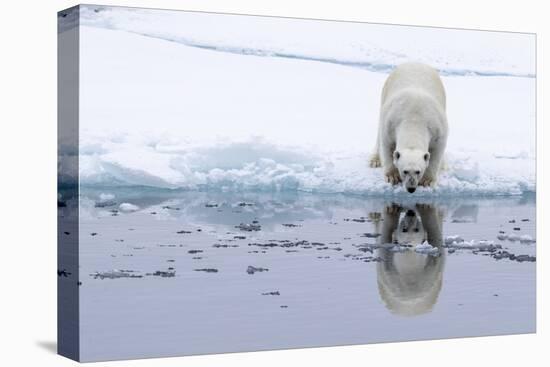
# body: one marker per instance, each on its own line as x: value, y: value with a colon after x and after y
x: 406, y: 172
x: 417, y: 172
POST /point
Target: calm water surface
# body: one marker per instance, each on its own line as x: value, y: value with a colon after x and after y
x: 196, y: 272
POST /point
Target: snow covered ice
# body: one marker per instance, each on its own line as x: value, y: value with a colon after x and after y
x: 296, y: 114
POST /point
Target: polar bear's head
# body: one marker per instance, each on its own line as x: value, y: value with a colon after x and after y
x: 412, y: 164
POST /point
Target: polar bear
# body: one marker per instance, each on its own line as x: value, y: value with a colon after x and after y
x: 413, y: 129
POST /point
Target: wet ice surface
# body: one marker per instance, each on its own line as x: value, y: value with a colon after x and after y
x: 197, y: 272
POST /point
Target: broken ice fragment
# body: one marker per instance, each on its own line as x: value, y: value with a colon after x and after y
x: 427, y: 249
x: 249, y: 227
x: 253, y: 269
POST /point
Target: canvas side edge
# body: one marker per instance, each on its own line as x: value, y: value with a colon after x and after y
x: 68, y: 315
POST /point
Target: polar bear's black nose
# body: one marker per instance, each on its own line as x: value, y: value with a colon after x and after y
x: 411, y: 189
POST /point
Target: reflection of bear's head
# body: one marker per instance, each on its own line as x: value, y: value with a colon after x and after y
x: 410, y: 230
x: 411, y: 164
x: 408, y: 282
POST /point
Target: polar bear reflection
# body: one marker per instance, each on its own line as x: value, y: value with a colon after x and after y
x: 408, y: 282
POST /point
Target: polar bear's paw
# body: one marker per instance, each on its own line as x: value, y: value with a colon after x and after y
x: 426, y: 181
x: 375, y: 216
x: 375, y: 161
x: 393, y: 177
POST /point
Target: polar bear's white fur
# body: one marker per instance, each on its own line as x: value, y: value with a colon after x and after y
x: 412, y: 132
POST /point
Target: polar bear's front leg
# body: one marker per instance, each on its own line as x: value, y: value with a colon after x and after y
x: 375, y: 161
x: 432, y: 171
x: 390, y: 171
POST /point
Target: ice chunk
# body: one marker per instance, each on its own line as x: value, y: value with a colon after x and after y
x: 427, y: 249
x: 527, y: 239
x: 127, y: 207
x: 115, y: 274
x: 163, y: 274
x: 502, y: 236
x: 208, y: 270
x: 252, y: 269
x: 522, y: 258
x: 106, y: 197
x: 486, y: 246
x: 482, y: 245
x: 105, y: 200
x: 398, y: 248
x: 513, y: 237
x: 249, y: 227
x: 455, y: 238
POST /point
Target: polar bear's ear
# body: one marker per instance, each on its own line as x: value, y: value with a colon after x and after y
x: 427, y: 156
x: 396, y: 155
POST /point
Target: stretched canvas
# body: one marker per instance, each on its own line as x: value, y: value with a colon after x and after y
x: 235, y: 183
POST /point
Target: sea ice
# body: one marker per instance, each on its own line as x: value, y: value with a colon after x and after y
x: 127, y: 207
x: 427, y: 249
x: 502, y: 236
x: 115, y: 274
x: 106, y: 197
x: 398, y: 248
x: 150, y: 146
x: 481, y: 245
x: 527, y: 239
x: 513, y: 237
x: 454, y: 238
x: 252, y: 269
